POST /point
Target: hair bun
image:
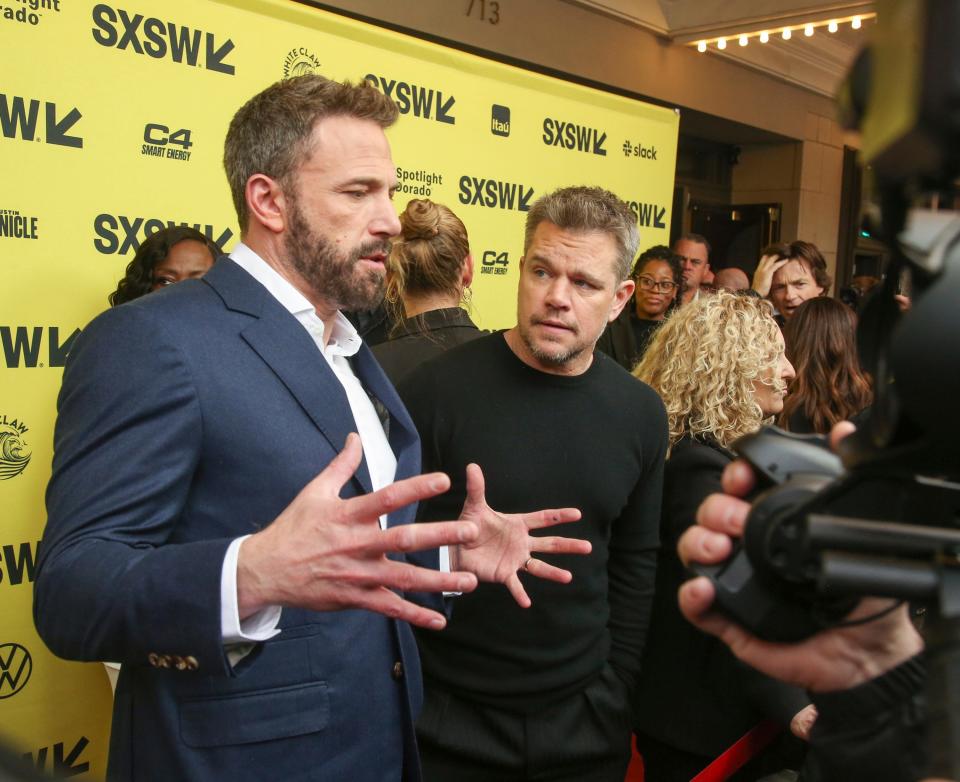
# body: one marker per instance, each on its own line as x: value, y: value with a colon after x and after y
x: 420, y: 220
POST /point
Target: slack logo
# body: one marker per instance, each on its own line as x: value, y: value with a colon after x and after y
x: 500, y: 120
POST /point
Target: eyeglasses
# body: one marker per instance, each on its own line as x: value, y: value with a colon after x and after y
x: 649, y: 284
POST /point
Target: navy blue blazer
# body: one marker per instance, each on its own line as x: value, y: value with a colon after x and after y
x: 187, y: 418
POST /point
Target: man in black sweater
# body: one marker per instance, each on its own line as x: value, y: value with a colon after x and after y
x: 543, y: 692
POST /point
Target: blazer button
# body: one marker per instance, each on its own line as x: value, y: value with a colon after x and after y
x: 154, y: 659
x: 191, y: 663
x: 397, y: 672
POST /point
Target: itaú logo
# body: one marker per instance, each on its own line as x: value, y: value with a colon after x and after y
x: 16, y: 665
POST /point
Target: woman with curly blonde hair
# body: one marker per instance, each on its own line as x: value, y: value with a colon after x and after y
x: 718, y: 363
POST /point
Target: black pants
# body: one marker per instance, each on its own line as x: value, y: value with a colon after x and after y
x: 583, y: 738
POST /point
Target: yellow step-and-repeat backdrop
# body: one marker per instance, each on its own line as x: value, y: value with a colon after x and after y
x: 112, y: 118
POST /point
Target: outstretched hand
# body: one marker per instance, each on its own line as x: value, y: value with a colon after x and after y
x: 326, y: 553
x: 504, y: 546
x: 830, y: 660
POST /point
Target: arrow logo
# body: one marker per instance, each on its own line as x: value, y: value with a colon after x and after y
x: 598, y: 144
x: 57, y: 129
x: 215, y: 57
x: 58, y: 353
x: 658, y: 217
x: 442, y: 111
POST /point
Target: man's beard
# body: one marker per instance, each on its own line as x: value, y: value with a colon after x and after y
x: 333, y: 275
x: 556, y: 358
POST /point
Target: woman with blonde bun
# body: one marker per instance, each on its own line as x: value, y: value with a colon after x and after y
x: 428, y: 277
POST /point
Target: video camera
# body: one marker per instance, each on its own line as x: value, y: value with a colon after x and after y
x: 883, y: 517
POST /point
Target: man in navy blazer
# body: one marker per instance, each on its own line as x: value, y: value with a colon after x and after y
x: 213, y: 522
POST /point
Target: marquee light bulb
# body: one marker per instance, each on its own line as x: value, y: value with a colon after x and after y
x: 808, y: 30
x: 855, y: 24
x: 787, y: 34
x: 722, y: 43
x: 743, y: 40
x: 833, y: 27
x: 702, y: 46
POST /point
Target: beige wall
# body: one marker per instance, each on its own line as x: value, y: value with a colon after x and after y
x: 574, y: 40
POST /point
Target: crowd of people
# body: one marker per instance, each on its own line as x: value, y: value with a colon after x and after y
x: 236, y: 475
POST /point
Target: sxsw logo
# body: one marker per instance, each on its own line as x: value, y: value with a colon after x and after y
x: 16, y: 665
x: 59, y: 762
x: 494, y: 194
x: 121, y: 234
x: 648, y: 215
x: 577, y: 138
x: 21, y: 346
x: 158, y: 39
x: 20, y: 117
x: 20, y: 562
x: 423, y: 102
x: 500, y: 120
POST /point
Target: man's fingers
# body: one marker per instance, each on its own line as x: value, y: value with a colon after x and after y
x: 418, y: 537
x: 738, y: 478
x: 476, y: 486
x: 553, y: 544
x: 410, y: 578
x: 388, y: 603
x: 548, y: 518
x: 696, y: 599
x: 723, y: 513
x: 341, y: 468
x: 516, y: 589
x: 396, y: 495
x: 700, y: 545
x: 541, y: 569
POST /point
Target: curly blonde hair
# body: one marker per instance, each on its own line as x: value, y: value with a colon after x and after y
x: 704, y: 360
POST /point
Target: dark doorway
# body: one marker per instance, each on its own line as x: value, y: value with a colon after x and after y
x: 736, y: 233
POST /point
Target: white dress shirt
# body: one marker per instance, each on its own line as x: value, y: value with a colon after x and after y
x: 381, y: 462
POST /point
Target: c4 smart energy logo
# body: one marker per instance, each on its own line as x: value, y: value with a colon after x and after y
x: 299, y: 62
x: 166, y: 143
x: 28, y: 11
x: 14, y: 454
x: 16, y: 665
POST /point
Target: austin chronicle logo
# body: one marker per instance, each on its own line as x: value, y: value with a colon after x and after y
x: 299, y: 62
x: 16, y: 665
x: 14, y: 456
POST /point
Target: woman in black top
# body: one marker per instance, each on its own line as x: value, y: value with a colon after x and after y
x: 659, y: 279
x: 830, y: 386
x: 718, y: 363
x: 428, y: 276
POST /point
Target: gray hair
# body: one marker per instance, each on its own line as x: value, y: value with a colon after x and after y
x: 588, y: 209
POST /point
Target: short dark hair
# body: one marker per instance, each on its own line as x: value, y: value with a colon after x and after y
x: 660, y: 252
x: 270, y: 133
x: 808, y: 254
x: 696, y: 239
x: 138, y: 277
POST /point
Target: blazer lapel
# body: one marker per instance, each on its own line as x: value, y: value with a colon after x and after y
x: 284, y: 345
